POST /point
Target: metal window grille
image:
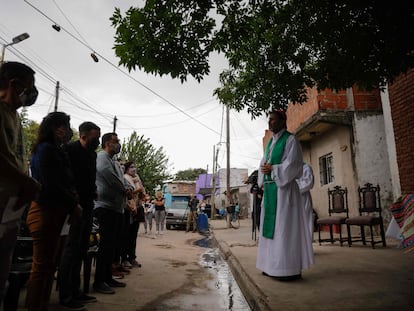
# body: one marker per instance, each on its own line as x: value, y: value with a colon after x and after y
x: 326, y: 169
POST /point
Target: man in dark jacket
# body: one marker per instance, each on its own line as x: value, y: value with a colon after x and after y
x: 83, y: 159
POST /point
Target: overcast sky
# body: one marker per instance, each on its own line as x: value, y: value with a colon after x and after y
x: 99, y: 91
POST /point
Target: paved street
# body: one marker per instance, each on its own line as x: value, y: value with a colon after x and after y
x: 343, y: 278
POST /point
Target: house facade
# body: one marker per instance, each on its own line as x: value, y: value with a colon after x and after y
x: 239, y: 190
x: 343, y: 138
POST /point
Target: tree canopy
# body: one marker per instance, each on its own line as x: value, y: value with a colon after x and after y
x: 30, y: 129
x: 151, y: 163
x: 276, y: 48
x: 189, y: 174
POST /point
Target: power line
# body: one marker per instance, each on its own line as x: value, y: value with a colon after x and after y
x: 70, y: 23
x: 122, y: 71
x: 164, y: 114
x: 53, y: 80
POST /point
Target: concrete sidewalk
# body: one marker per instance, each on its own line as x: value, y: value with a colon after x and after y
x: 343, y: 278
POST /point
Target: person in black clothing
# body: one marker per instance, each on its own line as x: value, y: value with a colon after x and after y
x: 83, y: 159
x: 192, y: 214
x: 56, y: 200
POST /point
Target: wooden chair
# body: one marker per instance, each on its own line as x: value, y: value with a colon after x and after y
x: 91, y: 255
x: 369, y: 215
x: 338, y: 213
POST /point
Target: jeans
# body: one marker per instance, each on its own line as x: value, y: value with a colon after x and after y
x: 159, y: 220
x: 110, y: 224
x: 74, y: 253
x: 45, y: 224
x: 129, y: 251
x: 148, y: 221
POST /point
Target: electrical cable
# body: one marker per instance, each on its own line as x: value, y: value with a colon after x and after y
x: 122, y: 71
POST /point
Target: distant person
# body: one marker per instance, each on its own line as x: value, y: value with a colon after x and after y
x: 159, y: 206
x: 82, y: 156
x: 149, y: 213
x: 109, y: 210
x: 132, y: 216
x: 236, y: 211
x: 284, y: 247
x: 192, y: 213
x: 202, y: 206
x: 17, y: 90
x: 56, y: 201
x: 305, y: 183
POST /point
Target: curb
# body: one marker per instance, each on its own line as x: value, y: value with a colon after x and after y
x: 254, y: 296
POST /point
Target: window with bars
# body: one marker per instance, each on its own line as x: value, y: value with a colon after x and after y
x: 326, y: 170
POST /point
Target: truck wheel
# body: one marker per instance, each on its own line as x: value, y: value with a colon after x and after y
x: 168, y: 227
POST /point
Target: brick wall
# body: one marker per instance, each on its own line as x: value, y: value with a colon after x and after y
x: 367, y: 100
x: 329, y: 100
x: 401, y: 93
x: 297, y: 114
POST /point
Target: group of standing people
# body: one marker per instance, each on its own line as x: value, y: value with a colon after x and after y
x: 71, y: 184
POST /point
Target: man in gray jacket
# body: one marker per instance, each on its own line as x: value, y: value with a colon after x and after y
x: 109, y: 208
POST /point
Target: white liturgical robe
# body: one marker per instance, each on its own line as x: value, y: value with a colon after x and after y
x: 305, y: 183
x: 290, y: 251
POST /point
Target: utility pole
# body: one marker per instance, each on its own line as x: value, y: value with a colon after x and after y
x: 213, y: 192
x: 115, y: 119
x: 56, y: 95
x: 228, y: 194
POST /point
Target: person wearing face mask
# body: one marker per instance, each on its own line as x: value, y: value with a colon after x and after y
x: 16, y: 188
x: 82, y: 156
x: 109, y: 208
x: 56, y: 200
x: 134, y: 214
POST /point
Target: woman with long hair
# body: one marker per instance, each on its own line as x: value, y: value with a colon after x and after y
x: 56, y: 200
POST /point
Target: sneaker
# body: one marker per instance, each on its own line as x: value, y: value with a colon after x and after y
x: 117, y: 274
x: 103, y: 288
x: 126, y: 264
x: 73, y: 305
x: 115, y: 283
x: 83, y: 298
x: 135, y: 264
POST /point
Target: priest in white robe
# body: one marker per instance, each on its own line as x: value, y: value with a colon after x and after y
x: 305, y: 183
x: 285, y: 247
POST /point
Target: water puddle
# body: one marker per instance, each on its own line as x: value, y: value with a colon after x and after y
x: 214, y: 287
x: 228, y: 291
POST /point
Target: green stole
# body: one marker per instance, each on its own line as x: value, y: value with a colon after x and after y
x: 270, y: 187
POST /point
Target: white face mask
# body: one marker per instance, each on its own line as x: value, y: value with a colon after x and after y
x: 132, y: 171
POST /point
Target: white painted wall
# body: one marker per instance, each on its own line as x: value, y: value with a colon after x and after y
x: 390, y: 139
x: 338, y: 142
x: 371, y: 156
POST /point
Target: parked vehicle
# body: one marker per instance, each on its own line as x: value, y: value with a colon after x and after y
x: 177, y: 212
